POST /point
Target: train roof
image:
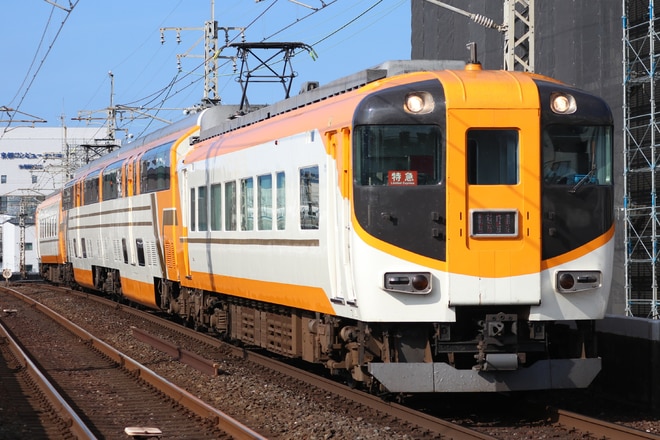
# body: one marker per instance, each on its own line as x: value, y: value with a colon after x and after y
x: 165, y: 131
x: 221, y: 119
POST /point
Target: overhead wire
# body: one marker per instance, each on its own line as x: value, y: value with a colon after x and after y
x: 41, y: 63
x: 168, y: 90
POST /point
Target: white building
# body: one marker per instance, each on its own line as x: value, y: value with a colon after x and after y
x: 34, y: 162
x: 11, y: 255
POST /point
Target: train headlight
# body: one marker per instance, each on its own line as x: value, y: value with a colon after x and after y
x: 417, y: 283
x: 419, y: 103
x: 563, y: 103
x: 575, y: 281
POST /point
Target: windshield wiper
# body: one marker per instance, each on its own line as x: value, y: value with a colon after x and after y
x: 584, y: 179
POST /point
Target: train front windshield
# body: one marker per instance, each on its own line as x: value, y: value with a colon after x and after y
x: 398, y: 155
x: 575, y: 154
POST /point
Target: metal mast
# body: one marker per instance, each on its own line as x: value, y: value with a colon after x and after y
x: 211, y: 53
x: 641, y: 156
x: 519, y: 36
x: 518, y: 30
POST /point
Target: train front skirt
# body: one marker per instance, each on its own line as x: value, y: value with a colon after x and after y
x: 436, y: 377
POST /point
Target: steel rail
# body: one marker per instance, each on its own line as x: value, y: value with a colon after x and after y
x: 444, y: 429
x: 599, y: 428
x: 223, y: 421
x: 74, y: 423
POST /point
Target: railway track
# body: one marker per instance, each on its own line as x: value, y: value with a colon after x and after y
x: 599, y: 429
x: 31, y: 406
x: 111, y: 394
x: 172, y: 339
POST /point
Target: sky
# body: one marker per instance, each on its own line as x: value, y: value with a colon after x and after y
x: 59, y: 61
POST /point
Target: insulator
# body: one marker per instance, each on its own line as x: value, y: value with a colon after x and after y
x: 483, y: 21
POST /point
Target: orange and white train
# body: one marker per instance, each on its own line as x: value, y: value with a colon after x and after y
x: 414, y: 227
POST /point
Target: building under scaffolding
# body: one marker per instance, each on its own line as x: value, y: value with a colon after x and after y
x: 641, y: 142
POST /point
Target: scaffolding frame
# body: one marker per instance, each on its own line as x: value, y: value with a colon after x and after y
x: 641, y: 158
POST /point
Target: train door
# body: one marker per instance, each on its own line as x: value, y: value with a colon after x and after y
x: 493, y: 205
x: 339, y: 233
x: 182, y: 232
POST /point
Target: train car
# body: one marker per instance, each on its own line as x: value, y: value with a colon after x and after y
x: 116, y: 211
x: 416, y: 227
x: 51, y: 246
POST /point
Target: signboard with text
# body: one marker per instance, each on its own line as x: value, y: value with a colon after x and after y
x: 401, y: 178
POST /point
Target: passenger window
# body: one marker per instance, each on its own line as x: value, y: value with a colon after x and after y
x: 67, y: 197
x: 492, y: 157
x: 155, y: 169
x: 112, y: 181
x: 230, y: 206
x: 216, y: 207
x: 281, y: 201
x: 202, y: 210
x: 192, y: 209
x: 91, y: 188
x: 309, y: 198
x: 265, y: 202
x: 247, y: 204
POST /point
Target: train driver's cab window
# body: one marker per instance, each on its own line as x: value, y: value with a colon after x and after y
x: 576, y: 154
x: 309, y: 197
x: 398, y: 155
x: 492, y: 157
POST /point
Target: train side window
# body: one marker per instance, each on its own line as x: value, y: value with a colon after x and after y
x: 84, y: 248
x: 155, y: 169
x: 247, y: 204
x: 112, y: 181
x: 91, y: 188
x: 216, y: 207
x: 124, y: 250
x: 309, y: 197
x: 75, y: 248
x: 139, y: 245
x: 193, y: 209
x: 67, y: 197
x: 230, y: 206
x: 265, y: 202
x: 492, y: 157
x: 202, y: 209
x: 281, y: 201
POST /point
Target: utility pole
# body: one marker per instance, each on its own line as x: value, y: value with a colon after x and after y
x: 21, y: 240
x: 103, y: 146
x: 518, y: 30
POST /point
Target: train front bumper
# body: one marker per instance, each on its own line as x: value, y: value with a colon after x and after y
x: 438, y: 377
